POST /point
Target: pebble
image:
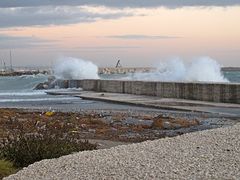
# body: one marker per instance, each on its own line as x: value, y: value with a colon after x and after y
x: 209, y: 154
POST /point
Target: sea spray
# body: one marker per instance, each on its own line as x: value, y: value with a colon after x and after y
x: 202, y: 69
x: 205, y: 69
x: 73, y: 68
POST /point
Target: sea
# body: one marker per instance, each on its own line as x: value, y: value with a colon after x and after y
x: 17, y: 92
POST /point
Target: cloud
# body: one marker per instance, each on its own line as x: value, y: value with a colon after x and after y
x: 118, y: 3
x: 21, y: 13
x: 139, y: 37
x: 13, y: 42
x: 49, y: 15
x: 95, y: 49
x: 107, y: 47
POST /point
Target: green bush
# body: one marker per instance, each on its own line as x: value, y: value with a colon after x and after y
x: 6, y: 168
x: 24, y: 150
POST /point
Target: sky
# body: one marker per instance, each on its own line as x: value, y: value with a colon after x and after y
x: 137, y: 32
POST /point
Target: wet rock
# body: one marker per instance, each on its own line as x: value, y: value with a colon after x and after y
x: 51, y: 83
x: 51, y: 79
x: 45, y: 86
x: 41, y: 86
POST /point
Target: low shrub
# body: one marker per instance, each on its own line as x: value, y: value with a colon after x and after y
x: 6, y: 168
x: 24, y: 150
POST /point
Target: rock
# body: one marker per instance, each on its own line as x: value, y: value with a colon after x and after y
x: 51, y: 79
x: 161, y: 122
x: 83, y: 126
x: 157, y: 123
x: 39, y: 86
x: 167, y: 125
x: 45, y: 86
x: 43, y: 127
x: 92, y: 130
x: 52, y: 83
x: 22, y: 119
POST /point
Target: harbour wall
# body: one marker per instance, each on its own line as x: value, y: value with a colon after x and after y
x: 213, y: 92
x: 124, y: 70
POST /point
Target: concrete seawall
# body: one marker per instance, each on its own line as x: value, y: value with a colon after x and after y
x: 218, y: 92
x: 124, y: 70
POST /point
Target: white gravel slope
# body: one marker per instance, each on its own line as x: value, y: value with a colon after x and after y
x: 211, y: 154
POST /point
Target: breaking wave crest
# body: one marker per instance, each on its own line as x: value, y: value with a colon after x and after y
x: 73, y: 68
x: 203, y: 69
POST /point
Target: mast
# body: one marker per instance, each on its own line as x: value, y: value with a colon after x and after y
x: 11, y: 67
x: 2, y: 67
x: 4, y: 64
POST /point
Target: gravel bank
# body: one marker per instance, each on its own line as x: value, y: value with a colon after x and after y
x: 210, y: 154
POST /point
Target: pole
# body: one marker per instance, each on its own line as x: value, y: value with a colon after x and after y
x: 4, y: 64
x: 11, y: 68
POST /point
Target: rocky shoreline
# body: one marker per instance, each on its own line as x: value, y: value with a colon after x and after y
x: 106, y: 125
x: 105, y: 128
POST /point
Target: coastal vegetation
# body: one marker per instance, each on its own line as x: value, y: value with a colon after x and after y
x: 22, y: 144
x: 30, y: 136
x: 24, y: 150
x: 6, y: 168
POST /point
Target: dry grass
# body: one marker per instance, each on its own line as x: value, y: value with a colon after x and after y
x: 108, y: 126
x: 6, y: 168
x: 172, y: 123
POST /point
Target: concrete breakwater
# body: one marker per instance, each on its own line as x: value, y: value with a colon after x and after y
x: 212, y: 92
x: 125, y: 70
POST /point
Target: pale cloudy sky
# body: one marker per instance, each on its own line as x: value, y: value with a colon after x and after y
x: 139, y: 32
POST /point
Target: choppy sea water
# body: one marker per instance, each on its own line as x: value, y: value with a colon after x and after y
x: 18, y: 91
x: 232, y: 76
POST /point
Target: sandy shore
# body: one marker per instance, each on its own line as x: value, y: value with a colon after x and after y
x: 210, y: 154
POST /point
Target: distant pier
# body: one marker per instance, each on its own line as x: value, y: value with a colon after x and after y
x: 21, y: 73
x: 101, y: 70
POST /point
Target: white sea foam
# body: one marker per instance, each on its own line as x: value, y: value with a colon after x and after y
x: 202, y: 69
x: 36, y: 99
x: 73, y: 68
x: 32, y: 93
